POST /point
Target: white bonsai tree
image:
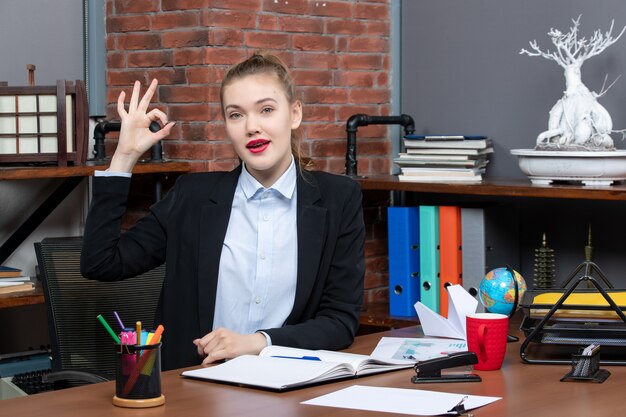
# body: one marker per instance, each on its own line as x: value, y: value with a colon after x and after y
x: 577, y: 121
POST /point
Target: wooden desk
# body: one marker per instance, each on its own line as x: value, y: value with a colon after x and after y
x: 23, y: 298
x: 526, y: 390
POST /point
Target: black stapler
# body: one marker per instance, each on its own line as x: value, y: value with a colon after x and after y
x: 430, y: 370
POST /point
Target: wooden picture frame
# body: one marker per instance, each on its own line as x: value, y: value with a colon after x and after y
x: 41, y: 124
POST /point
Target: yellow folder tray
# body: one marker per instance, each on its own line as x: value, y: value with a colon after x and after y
x: 578, y: 305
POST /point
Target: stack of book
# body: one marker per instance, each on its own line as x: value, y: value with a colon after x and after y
x: 444, y: 158
x: 12, y: 280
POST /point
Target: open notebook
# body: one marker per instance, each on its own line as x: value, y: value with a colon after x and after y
x: 281, y: 368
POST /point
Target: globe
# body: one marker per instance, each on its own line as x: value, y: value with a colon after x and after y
x: 497, y: 290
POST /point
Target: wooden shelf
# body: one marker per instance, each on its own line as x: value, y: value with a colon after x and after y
x: 17, y: 299
x: 497, y: 188
x: 27, y: 173
x: 45, y: 172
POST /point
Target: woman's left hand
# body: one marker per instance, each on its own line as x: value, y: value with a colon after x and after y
x: 225, y: 344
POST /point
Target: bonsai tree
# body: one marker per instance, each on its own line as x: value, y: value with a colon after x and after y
x: 577, y: 121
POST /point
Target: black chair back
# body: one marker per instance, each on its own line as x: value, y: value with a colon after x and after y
x: 78, y: 339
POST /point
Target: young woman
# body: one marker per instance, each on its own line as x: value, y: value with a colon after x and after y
x: 269, y: 253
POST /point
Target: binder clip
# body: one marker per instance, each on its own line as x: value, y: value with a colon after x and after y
x: 430, y: 370
x: 459, y: 409
x: 586, y: 366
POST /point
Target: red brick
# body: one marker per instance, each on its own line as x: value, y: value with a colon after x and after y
x: 373, y: 147
x: 189, y: 112
x: 193, y: 151
x: 185, y: 39
x: 126, y: 77
x: 315, y: 60
x: 175, y: 20
x: 254, y: 5
x: 328, y: 8
x: 226, y: 56
x: 345, y: 112
x: 267, y: 22
x: 168, y: 75
x: 361, y: 62
x: 345, y: 27
x: 127, y: 23
x: 266, y: 40
x: 227, y: 18
x: 379, y: 166
x: 292, y: 7
x: 205, y: 74
x: 136, y: 6
x: 184, y: 4
x: 314, y: 113
x: 116, y: 60
x: 355, y: 79
x: 326, y: 95
x: 215, y: 131
x: 328, y: 147
x: 189, y: 56
x: 224, y: 150
x: 371, y: 11
x: 192, y: 131
x: 313, y: 43
x: 382, y: 80
x: 371, y: 95
x: 225, y: 37
x: 374, y: 280
x: 367, y: 44
x: 186, y: 94
x: 301, y: 24
x: 139, y: 41
x: 377, y: 28
x: 150, y: 59
x: 111, y: 42
x: 380, y: 295
x: 312, y: 77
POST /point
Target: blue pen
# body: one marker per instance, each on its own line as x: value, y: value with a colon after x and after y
x: 306, y: 358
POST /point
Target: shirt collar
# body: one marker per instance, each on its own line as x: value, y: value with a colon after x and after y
x: 285, y: 185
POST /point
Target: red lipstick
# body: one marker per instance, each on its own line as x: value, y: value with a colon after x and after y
x: 257, y: 145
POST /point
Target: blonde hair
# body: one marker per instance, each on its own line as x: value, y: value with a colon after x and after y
x: 265, y: 63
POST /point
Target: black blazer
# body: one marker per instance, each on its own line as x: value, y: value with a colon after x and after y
x: 187, y: 230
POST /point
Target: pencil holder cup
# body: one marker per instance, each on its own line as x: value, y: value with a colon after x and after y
x: 138, y: 376
x: 586, y: 368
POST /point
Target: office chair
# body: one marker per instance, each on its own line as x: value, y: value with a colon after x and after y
x: 82, y: 350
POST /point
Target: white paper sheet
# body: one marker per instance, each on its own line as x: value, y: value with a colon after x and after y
x: 460, y: 304
x: 417, y: 349
x: 398, y: 400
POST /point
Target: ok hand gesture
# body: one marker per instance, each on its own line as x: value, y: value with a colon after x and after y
x: 135, y: 135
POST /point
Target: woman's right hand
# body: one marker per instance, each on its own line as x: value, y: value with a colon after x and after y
x: 135, y: 136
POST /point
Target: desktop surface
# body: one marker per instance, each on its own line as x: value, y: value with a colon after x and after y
x: 526, y: 390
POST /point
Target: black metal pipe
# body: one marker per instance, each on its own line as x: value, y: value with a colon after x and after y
x: 99, y: 132
x: 104, y: 126
x: 360, y: 119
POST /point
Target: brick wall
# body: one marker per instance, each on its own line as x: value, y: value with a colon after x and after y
x: 338, y: 52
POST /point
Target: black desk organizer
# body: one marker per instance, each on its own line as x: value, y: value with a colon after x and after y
x: 586, y: 368
x: 557, y: 339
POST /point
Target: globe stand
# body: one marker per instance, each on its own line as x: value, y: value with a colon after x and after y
x: 510, y: 338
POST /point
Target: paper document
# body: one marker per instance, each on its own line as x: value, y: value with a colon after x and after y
x: 460, y: 304
x: 399, y: 400
x: 417, y: 349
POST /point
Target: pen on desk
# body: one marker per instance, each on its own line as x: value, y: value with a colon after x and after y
x: 108, y: 328
x: 118, y: 319
x: 306, y: 358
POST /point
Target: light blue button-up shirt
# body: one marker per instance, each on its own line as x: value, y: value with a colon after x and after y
x: 258, y: 266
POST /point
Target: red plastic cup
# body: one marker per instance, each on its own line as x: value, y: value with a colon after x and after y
x: 487, y: 336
